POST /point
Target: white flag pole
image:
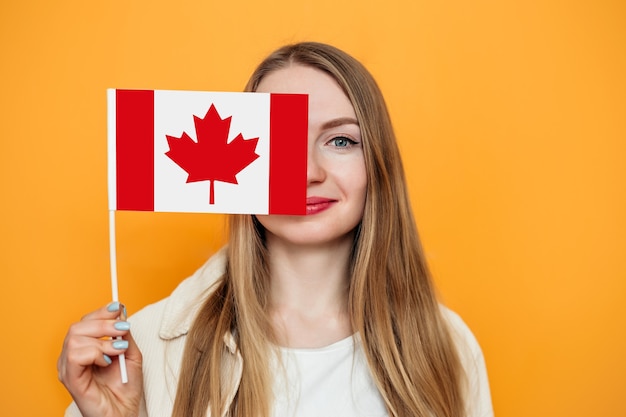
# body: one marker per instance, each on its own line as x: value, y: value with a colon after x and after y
x: 114, y: 289
x: 111, y: 150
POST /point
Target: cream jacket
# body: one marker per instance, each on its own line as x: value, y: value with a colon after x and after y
x: 160, y: 331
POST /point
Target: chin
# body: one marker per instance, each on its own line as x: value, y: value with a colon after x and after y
x: 310, y: 230
x: 311, y: 237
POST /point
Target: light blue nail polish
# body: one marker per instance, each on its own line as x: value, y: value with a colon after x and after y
x: 114, y: 306
x: 120, y: 344
x: 107, y: 359
x: 122, y: 325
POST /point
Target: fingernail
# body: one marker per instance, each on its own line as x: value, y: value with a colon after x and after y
x: 122, y: 325
x: 107, y: 359
x: 120, y: 344
x: 114, y: 306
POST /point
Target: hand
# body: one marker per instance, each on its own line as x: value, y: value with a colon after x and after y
x: 89, y: 366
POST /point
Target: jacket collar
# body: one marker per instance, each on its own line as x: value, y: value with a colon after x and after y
x: 182, y: 306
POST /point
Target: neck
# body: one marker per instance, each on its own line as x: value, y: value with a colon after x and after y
x: 309, y: 292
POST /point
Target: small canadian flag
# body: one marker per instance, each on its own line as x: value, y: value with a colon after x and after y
x: 207, y: 152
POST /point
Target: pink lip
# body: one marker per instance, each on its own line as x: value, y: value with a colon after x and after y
x: 316, y: 205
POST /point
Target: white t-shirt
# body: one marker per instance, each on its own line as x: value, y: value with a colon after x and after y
x: 329, y: 381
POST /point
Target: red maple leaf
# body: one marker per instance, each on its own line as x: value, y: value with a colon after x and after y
x: 212, y: 158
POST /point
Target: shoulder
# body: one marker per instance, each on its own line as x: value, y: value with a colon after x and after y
x: 477, y: 384
x: 172, y: 316
x: 461, y: 334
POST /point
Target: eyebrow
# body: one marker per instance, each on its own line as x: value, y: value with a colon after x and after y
x: 340, y: 122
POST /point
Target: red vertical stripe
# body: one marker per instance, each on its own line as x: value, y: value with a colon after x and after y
x: 134, y: 131
x: 288, y: 153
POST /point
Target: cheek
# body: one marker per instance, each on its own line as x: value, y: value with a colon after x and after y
x: 360, y: 176
x: 356, y: 182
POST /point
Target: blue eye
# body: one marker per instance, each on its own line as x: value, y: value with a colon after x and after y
x: 342, y: 142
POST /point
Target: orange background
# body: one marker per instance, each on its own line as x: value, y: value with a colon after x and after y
x: 511, y: 121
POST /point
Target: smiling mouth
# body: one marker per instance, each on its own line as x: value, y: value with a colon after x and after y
x: 316, y: 205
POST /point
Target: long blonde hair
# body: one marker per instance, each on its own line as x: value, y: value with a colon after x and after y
x: 392, y: 301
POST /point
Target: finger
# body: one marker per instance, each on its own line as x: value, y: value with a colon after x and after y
x: 102, y: 322
x: 98, y: 328
x: 112, y: 310
x: 83, y: 352
x: 116, y: 347
x: 75, y: 362
x: 78, y: 377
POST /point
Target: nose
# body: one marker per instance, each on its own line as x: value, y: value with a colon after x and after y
x: 315, y: 172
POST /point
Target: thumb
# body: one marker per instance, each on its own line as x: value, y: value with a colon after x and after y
x: 132, y: 353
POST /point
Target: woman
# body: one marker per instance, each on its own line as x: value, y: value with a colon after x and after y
x: 332, y: 313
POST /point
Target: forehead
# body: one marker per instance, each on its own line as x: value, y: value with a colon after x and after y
x: 326, y: 98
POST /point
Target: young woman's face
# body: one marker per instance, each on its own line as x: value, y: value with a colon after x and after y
x: 336, y: 178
